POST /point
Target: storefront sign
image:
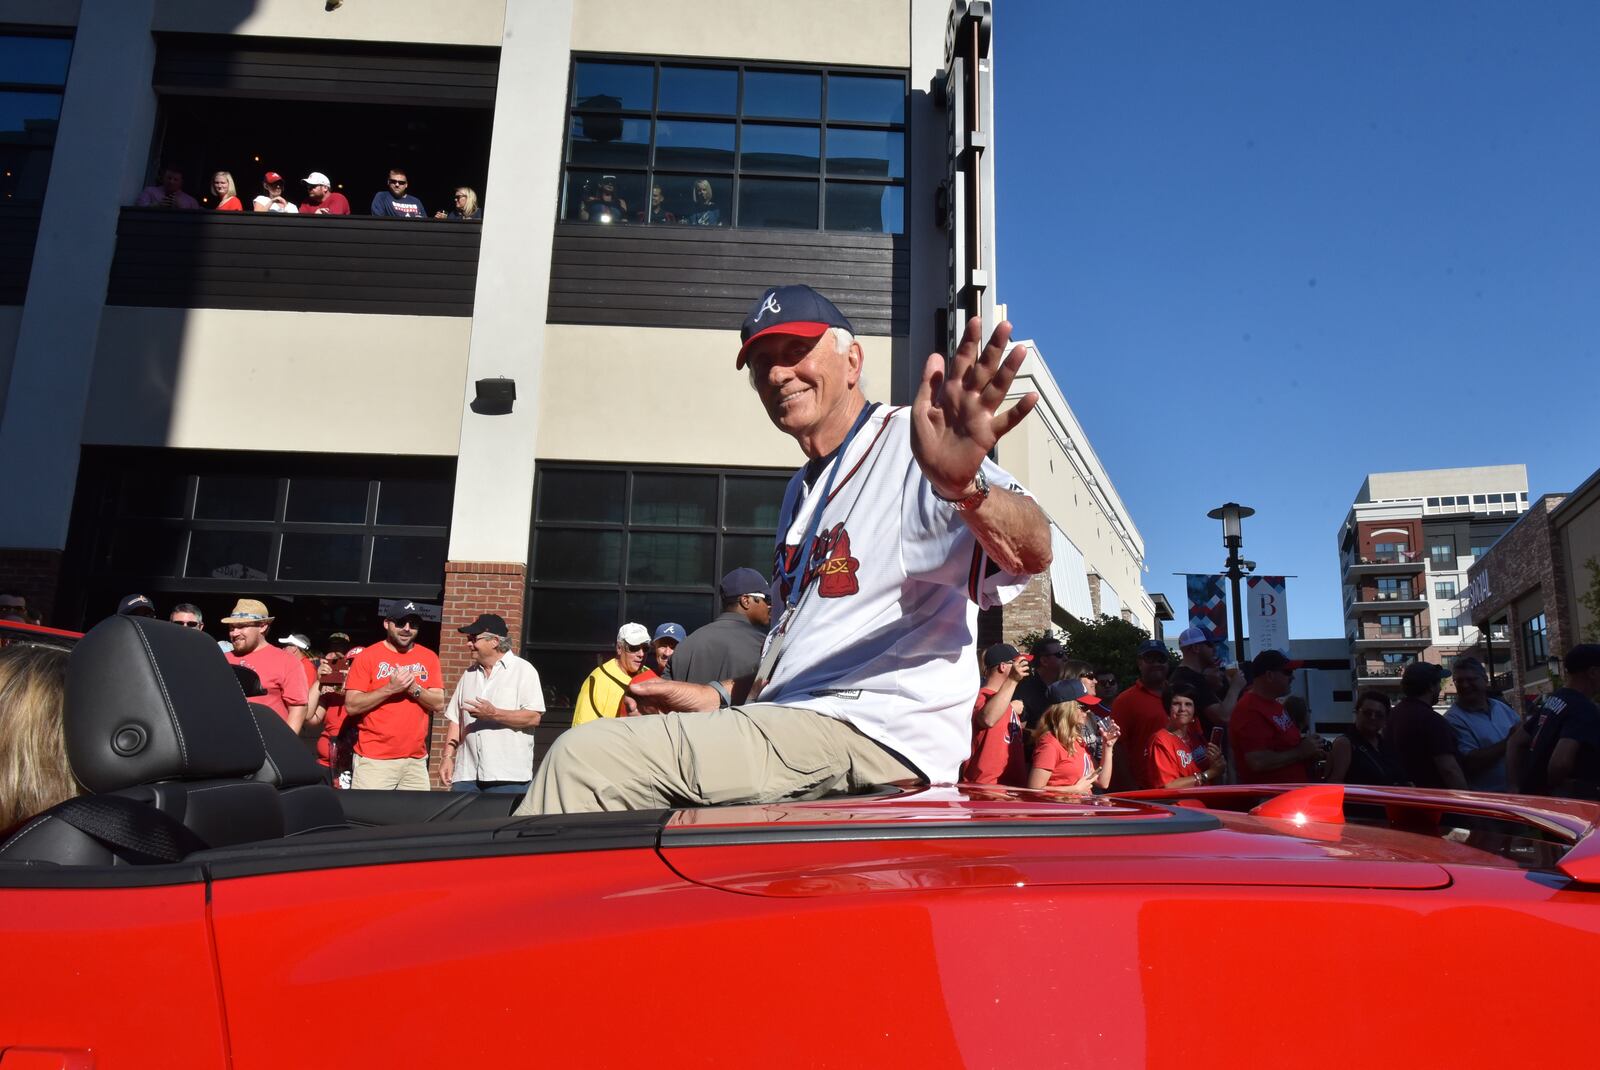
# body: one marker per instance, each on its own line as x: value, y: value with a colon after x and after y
x: 1478, y: 590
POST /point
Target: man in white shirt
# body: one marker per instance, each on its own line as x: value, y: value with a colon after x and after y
x: 892, y: 536
x: 489, y: 723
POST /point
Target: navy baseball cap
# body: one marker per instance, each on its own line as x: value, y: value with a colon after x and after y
x: 742, y: 581
x: 797, y: 310
x: 136, y: 605
x: 1152, y: 646
x: 1070, y: 691
x: 998, y: 655
x: 674, y: 632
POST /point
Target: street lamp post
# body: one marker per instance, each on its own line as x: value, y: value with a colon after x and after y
x: 1231, y: 514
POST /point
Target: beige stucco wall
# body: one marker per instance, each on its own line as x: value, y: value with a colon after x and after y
x: 671, y: 397
x: 302, y: 381
x: 873, y: 33
x: 10, y: 322
x: 1036, y: 454
x: 464, y: 22
x: 1578, y: 536
x: 39, y: 12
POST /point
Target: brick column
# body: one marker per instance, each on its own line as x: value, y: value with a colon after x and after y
x: 470, y: 588
x: 34, y: 574
x: 1028, y: 612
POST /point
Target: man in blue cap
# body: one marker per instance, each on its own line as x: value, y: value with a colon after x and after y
x: 891, y: 537
x: 664, y: 643
x: 729, y: 648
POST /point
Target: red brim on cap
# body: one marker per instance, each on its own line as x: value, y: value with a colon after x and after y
x: 1088, y: 700
x: 799, y: 328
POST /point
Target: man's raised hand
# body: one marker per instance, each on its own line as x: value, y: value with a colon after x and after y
x: 955, y: 420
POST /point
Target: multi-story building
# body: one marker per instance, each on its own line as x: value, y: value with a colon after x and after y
x: 534, y: 412
x: 1404, y: 549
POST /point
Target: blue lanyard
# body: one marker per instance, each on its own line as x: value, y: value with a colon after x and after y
x: 792, y: 574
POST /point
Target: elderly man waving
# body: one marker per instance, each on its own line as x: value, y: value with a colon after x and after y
x: 891, y: 537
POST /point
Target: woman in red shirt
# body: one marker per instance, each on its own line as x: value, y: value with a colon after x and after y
x: 1060, y: 759
x: 226, y: 192
x: 1169, y: 758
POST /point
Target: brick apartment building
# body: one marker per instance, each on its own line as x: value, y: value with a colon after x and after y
x: 1404, y: 549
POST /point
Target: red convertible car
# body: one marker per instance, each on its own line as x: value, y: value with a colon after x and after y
x: 211, y: 904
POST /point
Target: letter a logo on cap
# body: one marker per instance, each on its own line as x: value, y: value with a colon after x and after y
x: 769, y: 304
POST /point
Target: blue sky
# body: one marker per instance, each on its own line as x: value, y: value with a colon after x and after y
x: 1269, y: 247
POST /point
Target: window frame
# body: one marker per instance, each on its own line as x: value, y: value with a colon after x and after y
x: 43, y: 89
x: 738, y: 119
x: 719, y: 528
x: 1535, y: 636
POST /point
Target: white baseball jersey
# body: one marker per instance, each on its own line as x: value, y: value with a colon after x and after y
x: 886, y: 628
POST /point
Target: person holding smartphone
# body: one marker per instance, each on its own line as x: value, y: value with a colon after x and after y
x: 1169, y: 758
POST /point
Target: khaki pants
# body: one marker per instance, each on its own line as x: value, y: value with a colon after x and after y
x: 389, y: 774
x: 749, y: 754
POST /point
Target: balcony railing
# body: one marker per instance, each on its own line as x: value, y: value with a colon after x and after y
x: 1379, y: 672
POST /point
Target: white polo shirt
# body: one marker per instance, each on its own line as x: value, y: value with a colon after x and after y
x: 490, y: 751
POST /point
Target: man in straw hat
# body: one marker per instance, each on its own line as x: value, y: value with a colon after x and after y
x: 280, y: 673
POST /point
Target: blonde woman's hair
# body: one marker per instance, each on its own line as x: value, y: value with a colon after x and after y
x: 34, y: 773
x: 233, y: 191
x: 470, y: 209
x: 1067, y: 721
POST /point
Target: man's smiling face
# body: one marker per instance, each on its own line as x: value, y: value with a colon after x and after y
x: 806, y: 384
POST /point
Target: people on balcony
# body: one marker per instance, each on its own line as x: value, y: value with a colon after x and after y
x: 706, y: 211
x: 466, y: 208
x: 321, y: 198
x: 226, y: 193
x: 603, y: 205
x: 395, y: 202
x: 168, y: 193
x: 271, y: 198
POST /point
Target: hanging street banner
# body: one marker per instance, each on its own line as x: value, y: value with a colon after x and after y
x: 1266, y: 608
x: 1208, y: 606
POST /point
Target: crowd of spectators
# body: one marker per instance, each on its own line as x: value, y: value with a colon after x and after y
x: 394, y: 201
x: 1038, y: 722
x: 601, y: 202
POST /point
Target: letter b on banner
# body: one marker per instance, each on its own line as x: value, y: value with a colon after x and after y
x: 1268, y: 614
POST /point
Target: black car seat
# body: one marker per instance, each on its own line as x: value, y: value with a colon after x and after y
x: 161, y: 738
x: 308, y: 802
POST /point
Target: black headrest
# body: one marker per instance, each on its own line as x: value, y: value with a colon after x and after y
x: 149, y: 701
x: 289, y: 763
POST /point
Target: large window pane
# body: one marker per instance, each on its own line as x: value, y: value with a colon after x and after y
x: 671, y: 560
x: 613, y: 86
x: 783, y: 94
x: 568, y: 616
x: 700, y: 89
x: 236, y: 498
x: 867, y: 99
x: 675, y: 500
x: 327, y: 501
x: 408, y: 559
x: 653, y: 608
x: 229, y: 555
x: 752, y: 502
x: 320, y: 558
x: 867, y: 153
x: 601, y: 197
x: 24, y: 172
x: 35, y: 60
x: 582, y: 495
x: 691, y: 143
x: 146, y: 550
x: 29, y: 117
x: 577, y: 556
x: 749, y: 551
x: 775, y: 202
x: 561, y: 672
x: 609, y: 141
x: 866, y: 207
x: 154, y: 494
x: 415, y: 502
x: 768, y: 147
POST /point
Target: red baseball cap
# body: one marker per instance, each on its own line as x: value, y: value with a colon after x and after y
x: 272, y: 178
x: 796, y: 310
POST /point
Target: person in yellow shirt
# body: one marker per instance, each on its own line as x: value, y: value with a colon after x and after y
x: 601, y: 692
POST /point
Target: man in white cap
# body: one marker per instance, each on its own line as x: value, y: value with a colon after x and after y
x: 298, y: 646
x: 280, y: 674
x: 1216, y: 689
x: 321, y: 198
x: 600, y: 695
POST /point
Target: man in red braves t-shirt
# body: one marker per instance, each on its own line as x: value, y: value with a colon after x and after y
x: 997, y: 754
x: 392, y: 691
x: 1140, y: 714
x: 1267, y: 747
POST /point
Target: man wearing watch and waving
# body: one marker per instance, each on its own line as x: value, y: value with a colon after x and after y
x: 891, y: 537
x: 392, y: 691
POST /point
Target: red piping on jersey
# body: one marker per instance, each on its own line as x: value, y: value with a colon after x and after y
x: 864, y: 455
